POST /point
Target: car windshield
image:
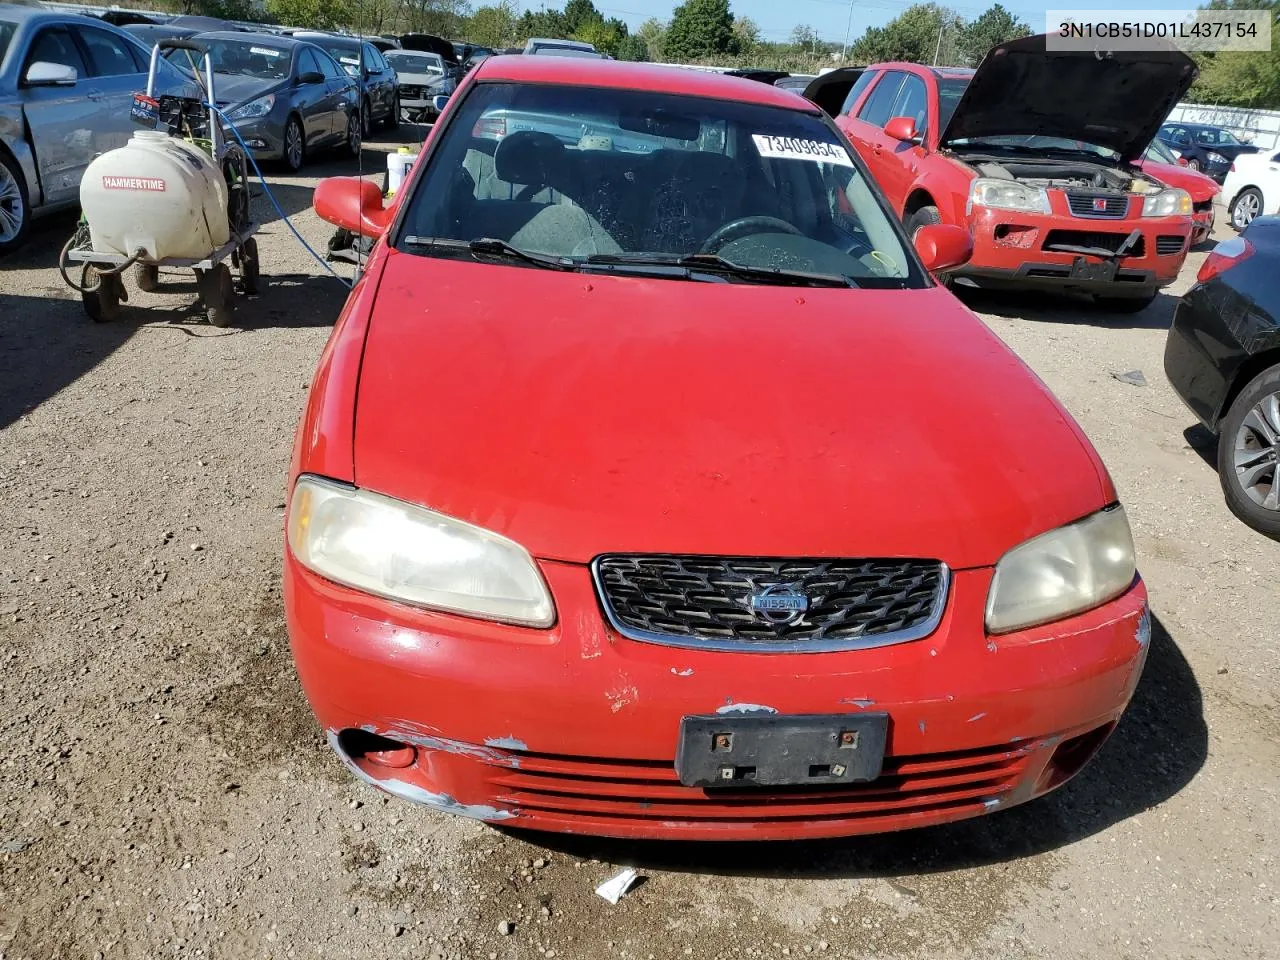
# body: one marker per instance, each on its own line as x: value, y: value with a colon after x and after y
x: 1159, y: 153
x: 238, y: 58
x: 7, y: 30
x: 577, y: 176
x: 348, y: 57
x: 1058, y: 144
x: 950, y: 90
x: 416, y: 63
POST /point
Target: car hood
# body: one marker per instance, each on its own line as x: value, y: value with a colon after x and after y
x: 1198, y: 185
x: 581, y: 414
x: 233, y: 91
x: 1117, y: 99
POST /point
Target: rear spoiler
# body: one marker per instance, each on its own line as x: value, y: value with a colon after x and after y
x: 830, y: 90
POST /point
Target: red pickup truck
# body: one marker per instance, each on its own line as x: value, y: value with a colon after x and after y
x: 1036, y: 154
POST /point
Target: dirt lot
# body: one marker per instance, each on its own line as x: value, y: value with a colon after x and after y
x: 167, y: 793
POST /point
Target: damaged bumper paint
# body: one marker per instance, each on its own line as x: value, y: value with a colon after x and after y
x: 575, y: 728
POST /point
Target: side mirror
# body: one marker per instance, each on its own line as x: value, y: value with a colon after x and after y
x: 353, y: 204
x: 942, y: 246
x: 45, y: 74
x: 903, y: 129
x: 311, y: 76
x: 439, y: 102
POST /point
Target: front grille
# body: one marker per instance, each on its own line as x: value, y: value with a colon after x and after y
x: 1083, y: 205
x: 590, y: 791
x: 707, y: 601
x: 1166, y: 246
x: 410, y: 92
x: 1093, y: 238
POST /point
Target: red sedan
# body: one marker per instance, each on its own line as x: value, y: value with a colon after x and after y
x: 995, y: 151
x: 1172, y: 170
x: 649, y: 486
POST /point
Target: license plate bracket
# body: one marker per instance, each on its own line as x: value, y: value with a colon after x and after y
x: 1104, y: 271
x: 780, y: 750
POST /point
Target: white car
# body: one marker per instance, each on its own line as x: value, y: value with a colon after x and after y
x: 1252, y: 187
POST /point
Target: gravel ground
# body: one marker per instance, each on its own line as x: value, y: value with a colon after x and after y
x: 168, y: 794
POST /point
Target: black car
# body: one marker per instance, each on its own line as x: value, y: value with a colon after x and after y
x: 1205, y: 148
x: 1223, y: 359
x: 379, y: 86
x: 428, y: 43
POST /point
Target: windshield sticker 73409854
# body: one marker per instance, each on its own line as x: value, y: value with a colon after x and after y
x: 791, y: 148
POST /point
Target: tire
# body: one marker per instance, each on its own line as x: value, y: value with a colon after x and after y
x: 924, y: 217
x: 1125, y: 304
x: 366, y: 120
x: 102, y: 304
x: 294, y: 153
x: 393, y: 119
x: 218, y: 292
x: 249, y: 267
x: 1247, y: 468
x: 1193, y: 164
x: 354, y: 140
x: 1246, y: 205
x: 147, y: 277
x: 15, y: 205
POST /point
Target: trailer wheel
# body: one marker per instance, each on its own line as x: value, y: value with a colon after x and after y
x: 147, y: 277
x: 249, y: 267
x: 102, y: 303
x: 219, y: 295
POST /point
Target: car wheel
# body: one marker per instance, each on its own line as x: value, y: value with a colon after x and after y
x: 393, y: 118
x: 353, y: 134
x: 924, y: 217
x: 1248, y: 451
x: 1193, y: 164
x: 15, y: 207
x: 366, y: 120
x: 1246, y: 205
x: 295, y: 145
x: 1125, y: 304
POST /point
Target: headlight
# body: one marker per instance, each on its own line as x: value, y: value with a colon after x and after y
x: 406, y: 552
x: 1166, y: 203
x: 254, y: 108
x: 1214, y: 157
x: 1007, y: 195
x: 1063, y: 572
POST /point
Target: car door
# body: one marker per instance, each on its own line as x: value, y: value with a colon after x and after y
x: 338, y: 86
x: 61, y: 119
x: 313, y: 100
x: 898, y: 161
x: 381, y: 86
x: 866, y: 131
x: 116, y: 75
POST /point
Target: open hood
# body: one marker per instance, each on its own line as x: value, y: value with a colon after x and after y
x: 830, y: 90
x: 1114, y: 99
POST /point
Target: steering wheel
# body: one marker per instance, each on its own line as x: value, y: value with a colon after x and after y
x: 742, y: 227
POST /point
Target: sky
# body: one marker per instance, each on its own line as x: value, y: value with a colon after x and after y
x: 776, y: 18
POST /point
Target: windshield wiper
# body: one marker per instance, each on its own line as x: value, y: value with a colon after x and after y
x: 716, y: 264
x: 492, y: 247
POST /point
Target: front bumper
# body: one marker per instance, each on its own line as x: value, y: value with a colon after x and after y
x: 262, y: 136
x: 574, y: 728
x: 1009, y: 250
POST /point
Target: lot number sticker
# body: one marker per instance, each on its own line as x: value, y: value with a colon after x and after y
x: 790, y: 148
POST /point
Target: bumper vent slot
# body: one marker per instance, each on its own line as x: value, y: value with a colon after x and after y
x: 732, y: 603
x: 1167, y: 246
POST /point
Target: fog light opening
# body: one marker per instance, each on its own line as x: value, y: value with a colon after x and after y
x: 1071, y: 755
x: 361, y: 745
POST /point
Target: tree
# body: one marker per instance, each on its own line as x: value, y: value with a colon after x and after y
x: 996, y: 26
x: 493, y: 26
x: 700, y: 28
x: 653, y: 34
x: 747, y: 34
x: 804, y: 36
x: 915, y: 36
x: 605, y: 37
x: 632, y: 48
x: 543, y: 23
x: 579, y: 13
x: 316, y: 14
x: 1240, y: 78
x: 443, y: 18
